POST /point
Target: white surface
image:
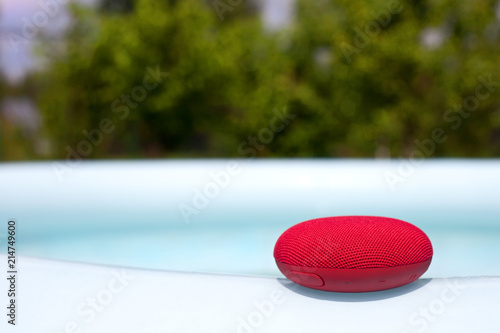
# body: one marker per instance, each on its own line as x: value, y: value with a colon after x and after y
x: 54, y: 296
x: 454, y: 191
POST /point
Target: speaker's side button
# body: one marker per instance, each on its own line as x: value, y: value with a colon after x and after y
x: 306, y: 279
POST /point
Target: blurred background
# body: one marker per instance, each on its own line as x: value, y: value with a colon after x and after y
x: 177, y: 92
x: 197, y: 78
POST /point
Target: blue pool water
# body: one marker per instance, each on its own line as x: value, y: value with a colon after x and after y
x: 130, y: 213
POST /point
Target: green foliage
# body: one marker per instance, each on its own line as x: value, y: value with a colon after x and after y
x: 357, y: 76
x: 392, y: 89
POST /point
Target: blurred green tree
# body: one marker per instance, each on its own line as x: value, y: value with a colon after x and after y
x: 117, y: 6
x: 222, y: 81
x: 380, y: 75
x: 362, y: 80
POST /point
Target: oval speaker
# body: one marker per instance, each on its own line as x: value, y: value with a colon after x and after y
x: 353, y: 253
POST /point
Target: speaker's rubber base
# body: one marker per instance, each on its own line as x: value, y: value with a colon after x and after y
x: 353, y: 280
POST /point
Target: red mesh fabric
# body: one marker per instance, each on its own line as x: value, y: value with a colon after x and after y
x: 353, y: 242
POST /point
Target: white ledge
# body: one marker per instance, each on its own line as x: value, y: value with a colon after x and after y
x: 57, y: 296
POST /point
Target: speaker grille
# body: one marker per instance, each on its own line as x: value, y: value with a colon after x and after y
x: 353, y: 242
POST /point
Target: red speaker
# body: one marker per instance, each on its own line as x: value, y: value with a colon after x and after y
x: 353, y: 253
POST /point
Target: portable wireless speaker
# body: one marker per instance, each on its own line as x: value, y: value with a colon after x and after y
x: 353, y: 253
